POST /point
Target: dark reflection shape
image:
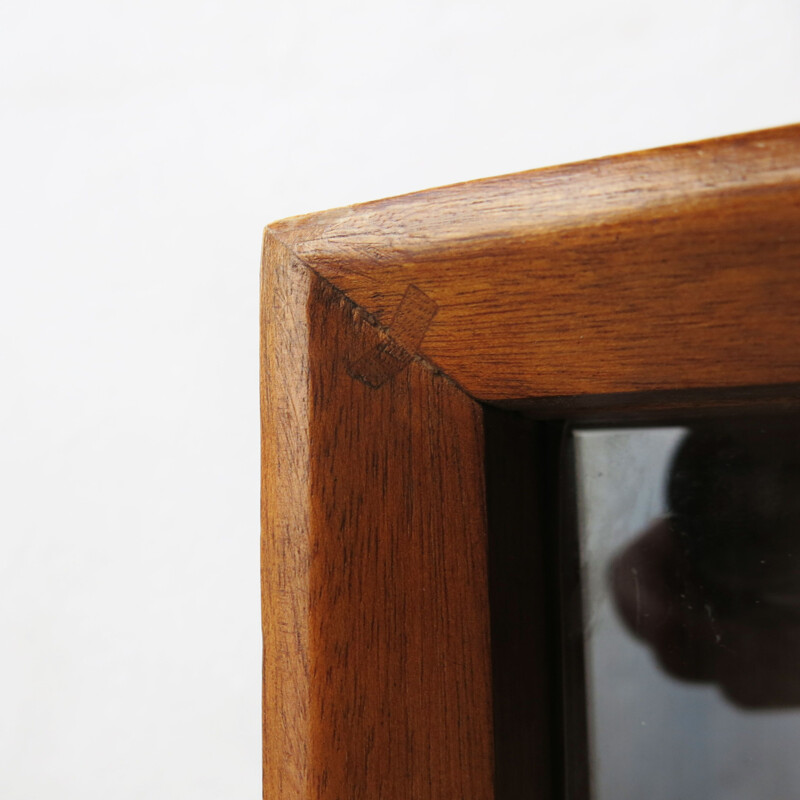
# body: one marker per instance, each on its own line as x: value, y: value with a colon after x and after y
x: 714, y: 589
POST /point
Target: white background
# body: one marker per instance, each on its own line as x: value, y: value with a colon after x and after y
x: 144, y: 146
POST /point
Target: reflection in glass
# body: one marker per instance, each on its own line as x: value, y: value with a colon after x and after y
x: 689, y: 544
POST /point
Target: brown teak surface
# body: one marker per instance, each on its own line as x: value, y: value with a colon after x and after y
x: 397, y: 508
x: 376, y: 618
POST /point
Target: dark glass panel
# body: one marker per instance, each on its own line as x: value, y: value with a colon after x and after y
x: 689, y: 546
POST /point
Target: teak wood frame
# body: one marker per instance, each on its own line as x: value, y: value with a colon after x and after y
x: 407, y: 590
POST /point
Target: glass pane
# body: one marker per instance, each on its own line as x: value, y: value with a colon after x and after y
x: 689, y: 540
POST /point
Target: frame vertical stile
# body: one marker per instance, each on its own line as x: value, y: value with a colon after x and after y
x: 375, y: 610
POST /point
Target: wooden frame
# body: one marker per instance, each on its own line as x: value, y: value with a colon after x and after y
x: 401, y: 339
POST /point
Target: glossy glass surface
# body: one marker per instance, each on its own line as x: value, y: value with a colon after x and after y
x: 689, y: 545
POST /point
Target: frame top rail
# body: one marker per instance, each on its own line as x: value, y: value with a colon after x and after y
x: 660, y: 271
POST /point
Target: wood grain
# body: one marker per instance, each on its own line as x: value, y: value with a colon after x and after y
x: 654, y: 282
x: 664, y: 270
x: 375, y: 611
